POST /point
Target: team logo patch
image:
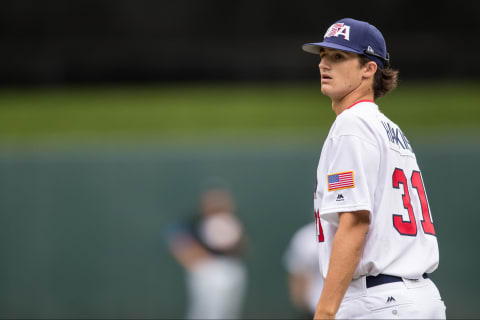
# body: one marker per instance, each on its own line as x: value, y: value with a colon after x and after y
x: 338, y: 29
x: 340, y: 180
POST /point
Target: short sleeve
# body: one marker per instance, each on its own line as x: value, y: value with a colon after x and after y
x: 350, y: 173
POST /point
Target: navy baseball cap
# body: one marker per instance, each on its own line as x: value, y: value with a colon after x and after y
x: 354, y: 36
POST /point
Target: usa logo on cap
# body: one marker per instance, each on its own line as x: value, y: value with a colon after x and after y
x: 338, y: 29
x: 362, y: 37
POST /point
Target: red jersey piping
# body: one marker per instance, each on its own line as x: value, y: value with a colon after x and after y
x: 360, y: 102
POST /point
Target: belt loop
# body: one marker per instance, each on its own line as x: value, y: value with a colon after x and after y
x: 364, y: 282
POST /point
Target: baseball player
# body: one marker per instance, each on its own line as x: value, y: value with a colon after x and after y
x: 211, y: 246
x: 375, y: 232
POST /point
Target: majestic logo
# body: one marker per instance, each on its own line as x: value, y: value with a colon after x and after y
x: 390, y: 299
x: 340, y: 197
x: 338, y: 29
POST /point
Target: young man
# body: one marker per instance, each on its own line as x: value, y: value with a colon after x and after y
x: 375, y: 233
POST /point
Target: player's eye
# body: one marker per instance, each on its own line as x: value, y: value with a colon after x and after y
x: 338, y: 56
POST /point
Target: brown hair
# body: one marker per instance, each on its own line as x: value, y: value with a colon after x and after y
x: 385, y: 80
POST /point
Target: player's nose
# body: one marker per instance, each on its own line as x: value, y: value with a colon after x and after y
x: 323, y: 65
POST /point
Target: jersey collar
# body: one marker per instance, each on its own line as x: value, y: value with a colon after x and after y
x: 366, y: 100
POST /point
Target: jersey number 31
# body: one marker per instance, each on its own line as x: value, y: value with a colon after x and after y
x: 409, y: 227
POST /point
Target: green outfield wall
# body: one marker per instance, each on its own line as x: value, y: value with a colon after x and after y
x: 83, y: 231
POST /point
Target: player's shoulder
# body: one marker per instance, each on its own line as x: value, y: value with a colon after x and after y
x: 359, y: 120
x: 359, y: 111
x: 394, y: 137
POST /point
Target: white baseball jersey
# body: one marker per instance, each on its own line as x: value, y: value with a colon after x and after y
x: 367, y: 163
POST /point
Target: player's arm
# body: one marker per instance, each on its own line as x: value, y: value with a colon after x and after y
x: 189, y: 255
x: 347, y: 248
x: 186, y: 250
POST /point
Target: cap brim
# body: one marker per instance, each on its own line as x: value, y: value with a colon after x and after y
x: 316, y: 46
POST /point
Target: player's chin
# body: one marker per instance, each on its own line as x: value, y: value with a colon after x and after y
x: 326, y: 89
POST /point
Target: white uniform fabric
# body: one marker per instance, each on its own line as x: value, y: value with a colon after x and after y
x: 301, y: 257
x: 367, y: 163
x: 217, y: 289
x: 410, y: 299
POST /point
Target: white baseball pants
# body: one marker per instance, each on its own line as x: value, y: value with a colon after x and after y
x: 410, y: 299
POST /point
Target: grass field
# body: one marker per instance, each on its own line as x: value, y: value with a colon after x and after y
x: 188, y: 112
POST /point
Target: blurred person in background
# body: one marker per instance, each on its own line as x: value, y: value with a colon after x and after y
x: 304, y: 279
x: 210, y: 246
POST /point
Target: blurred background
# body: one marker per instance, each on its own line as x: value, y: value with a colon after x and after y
x: 114, y: 114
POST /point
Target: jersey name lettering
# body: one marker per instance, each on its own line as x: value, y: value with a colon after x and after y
x: 396, y: 136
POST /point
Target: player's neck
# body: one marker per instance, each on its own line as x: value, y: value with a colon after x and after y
x: 341, y: 104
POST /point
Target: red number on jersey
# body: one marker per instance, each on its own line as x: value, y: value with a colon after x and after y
x: 417, y: 183
x: 406, y: 228
x: 318, y: 227
x: 409, y: 228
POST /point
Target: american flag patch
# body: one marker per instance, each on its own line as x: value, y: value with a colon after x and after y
x: 341, y: 180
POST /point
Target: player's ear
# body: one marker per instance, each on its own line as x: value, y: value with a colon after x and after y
x: 369, y: 69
